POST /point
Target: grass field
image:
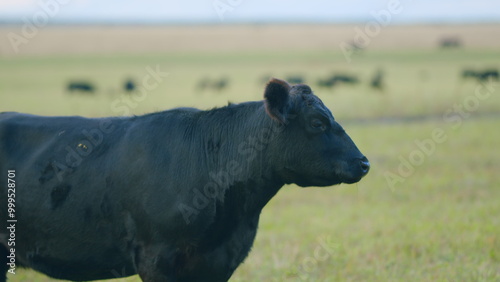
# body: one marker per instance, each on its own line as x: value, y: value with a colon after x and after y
x: 436, y: 219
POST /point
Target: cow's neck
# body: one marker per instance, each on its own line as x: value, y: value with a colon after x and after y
x: 237, y: 161
x: 238, y: 157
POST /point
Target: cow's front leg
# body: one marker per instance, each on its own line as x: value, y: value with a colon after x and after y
x: 156, y: 264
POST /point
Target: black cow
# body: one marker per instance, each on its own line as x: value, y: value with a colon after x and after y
x: 81, y: 87
x: 346, y: 78
x: 469, y: 73
x: 355, y: 47
x: 450, y: 42
x: 377, y: 81
x: 328, y: 82
x: 481, y: 76
x: 488, y: 74
x: 173, y: 195
x: 217, y: 85
x: 203, y: 84
x: 337, y: 79
x: 129, y: 85
x: 220, y: 84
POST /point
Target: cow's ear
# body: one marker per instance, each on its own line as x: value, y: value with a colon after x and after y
x: 276, y: 98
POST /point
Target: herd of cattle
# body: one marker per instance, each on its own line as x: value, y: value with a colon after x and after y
x: 217, y: 85
x: 87, y: 87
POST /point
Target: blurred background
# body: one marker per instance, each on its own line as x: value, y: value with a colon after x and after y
x: 415, y: 84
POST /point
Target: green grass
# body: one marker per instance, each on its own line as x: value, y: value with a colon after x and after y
x: 418, y: 82
x: 441, y: 223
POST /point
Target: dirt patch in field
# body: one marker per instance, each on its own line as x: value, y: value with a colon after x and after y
x: 55, y: 40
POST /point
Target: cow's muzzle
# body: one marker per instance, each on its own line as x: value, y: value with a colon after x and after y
x: 365, y: 165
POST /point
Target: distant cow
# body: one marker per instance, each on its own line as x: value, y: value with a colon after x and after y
x: 129, y: 85
x: 469, y: 73
x: 481, y: 75
x: 81, y: 86
x: 173, y: 195
x: 356, y: 47
x: 377, y: 82
x: 337, y: 79
x: 489, y: 74
x: 450, y: 42
x: 220, y: 84
x: 346, y: 78
x: 203, y: 84
x: 328, y: 82
x: 216, y: 84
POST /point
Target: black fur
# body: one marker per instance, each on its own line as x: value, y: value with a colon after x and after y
x: 172, y: 196
x: 3, y: 263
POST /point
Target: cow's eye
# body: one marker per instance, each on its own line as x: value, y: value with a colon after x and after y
x: 318, y: 124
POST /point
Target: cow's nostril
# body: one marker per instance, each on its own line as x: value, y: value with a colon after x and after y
x: 365, y: 165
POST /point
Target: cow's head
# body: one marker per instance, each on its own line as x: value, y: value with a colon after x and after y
x: 313, y: 149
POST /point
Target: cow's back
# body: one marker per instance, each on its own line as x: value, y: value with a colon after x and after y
x: 83, y: 182
x: 62, y: 203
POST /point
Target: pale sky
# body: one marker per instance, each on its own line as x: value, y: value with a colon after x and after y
x: 154, y: 11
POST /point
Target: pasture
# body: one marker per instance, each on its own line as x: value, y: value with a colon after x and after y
x: 427, y: 211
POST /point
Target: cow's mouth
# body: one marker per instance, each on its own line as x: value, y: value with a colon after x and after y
x: 353, y: 171
x: 357, y: 172
x: 319, y: 180
x: 352, y: 180
x: 348, y: 174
